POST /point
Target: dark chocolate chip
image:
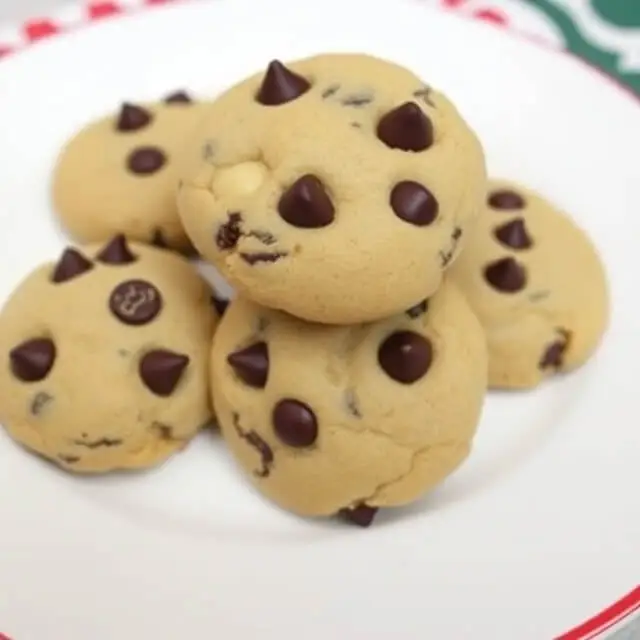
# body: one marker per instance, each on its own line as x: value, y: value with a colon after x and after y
x: 306, y: 204
x: 69, y: 459
x: 219, y: 304
x: 98, y: 444
x: 259, y: 444
x: 71, y: 265
x: 553, y: 357
x: 39, y: 402
x: 132, y: 118
x: 417, y: 310
x: 158, y: 240
x: 251, y: 364
x: 135, y: 302
x: 281, y: 85
x: 414, y: 203
x: 145, y: 161
x: 32, y: 360
x: 514, y: 235
x: 117, y: 252
x: 357, y: 100
x: 229, y: 233
x: 330, y: 91
x: 362, y: 515
x: 178, y: 97
x: 506, y: 200
x: 161, y: 370
x: 295, y: 423
x: 255, y: 258
x: 407, y: 127
x: 405, y: 356
x: 506, y: 275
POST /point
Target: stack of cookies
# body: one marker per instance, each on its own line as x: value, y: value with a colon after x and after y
x: 383, y: 284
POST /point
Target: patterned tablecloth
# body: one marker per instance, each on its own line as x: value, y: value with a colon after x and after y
x: 605, y: 33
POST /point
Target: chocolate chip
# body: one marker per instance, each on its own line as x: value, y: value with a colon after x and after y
x: 357, y: 100
x: 32, y: 360
x: 39, y: 402
x: 158, y: 241
x: 362, y: 515
x: 405, y: 356
x: 295, y: 423
x: 135, y: 302
x: 506, y: 200
x: 514, y: 234
x: 281, y: 85
x: 229, y: 233
x: 259, y: 444
x: 219, y: 304
x: 506, y: 275
x: 161, y: 370
x: 69, y: 459
x: 117, y: 252
x: 261, y: 256
x: 132, y: 118
x: 407, y: 127
x: 553, y: 356
x: 178, y: 97
x: 417, y: 310
x: 414, y: 203
x: 251, y: 364
x: 145, y: 161
x: 71, y: 265
x: 306, y: 204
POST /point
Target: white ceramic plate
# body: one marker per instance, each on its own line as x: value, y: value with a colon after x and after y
x: 539, y: 530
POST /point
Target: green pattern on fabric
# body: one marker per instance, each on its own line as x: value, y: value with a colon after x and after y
x: 621, y: 13
x: 578, y: 44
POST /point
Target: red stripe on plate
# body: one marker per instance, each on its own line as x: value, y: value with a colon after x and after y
x: 98, y: 10
x: 491, y: 15
x: 38, y: 29
x: 605, y: 620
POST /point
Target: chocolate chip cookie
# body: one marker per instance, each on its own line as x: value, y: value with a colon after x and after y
x: 118, y: 175
x: 347, y: 419
x: 336, y: 188
x: 536, y: 283
x: 105, y: 357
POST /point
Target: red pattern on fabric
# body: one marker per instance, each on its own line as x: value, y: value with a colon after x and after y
x: 39, y: 29
x: 491, y: 15
x: 98, y: 10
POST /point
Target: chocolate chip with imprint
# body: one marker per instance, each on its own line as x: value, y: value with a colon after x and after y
x: 135, y: 302
x: 229, y: 233
x: 178, y: 97
x: 259, y: 444
x: 32, y: 360
x: 553, y: 357
x: 418, y: 310
x: 161, y: 370
x: 506, y: 200
x: 281, y: 85
x: 407, y: 128
x: 506, y: 275
x: 306, y: 204
x: 405, y: 356
x: 514, y: 235
x: 362, y: 515
x: 295, y: 423
x: 132, y: 117
x: 71, y: 265
x: 116, y: 252
x: 145, y: 161
x: 414, y: 203
x: 251, y: 364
